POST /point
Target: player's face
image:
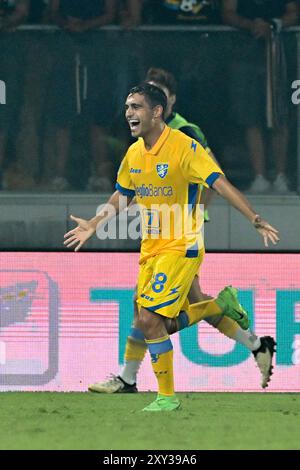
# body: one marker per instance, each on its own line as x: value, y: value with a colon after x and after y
x: 171, y: 99
x: 140, y: 116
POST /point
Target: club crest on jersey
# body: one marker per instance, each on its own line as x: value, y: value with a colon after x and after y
x: 162, y: 169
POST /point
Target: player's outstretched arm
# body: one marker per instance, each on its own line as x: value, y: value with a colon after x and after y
x: 85, y: 229
x: 241, y: 203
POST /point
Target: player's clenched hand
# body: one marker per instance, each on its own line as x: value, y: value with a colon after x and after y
x: 266, y: 230
x: 261, y: 28
x: 80, y: 234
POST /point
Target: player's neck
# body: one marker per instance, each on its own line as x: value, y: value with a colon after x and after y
x: 152, y: 137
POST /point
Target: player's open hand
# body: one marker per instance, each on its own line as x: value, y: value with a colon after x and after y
x: 266, y: 230
x: 80, y: 234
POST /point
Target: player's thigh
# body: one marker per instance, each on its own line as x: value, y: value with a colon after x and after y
x: 195, y: 294
x: 144, y: 277
x: 172, y: 276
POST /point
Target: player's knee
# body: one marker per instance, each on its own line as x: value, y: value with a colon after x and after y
x: 171, y: 325
x: 146, y: 321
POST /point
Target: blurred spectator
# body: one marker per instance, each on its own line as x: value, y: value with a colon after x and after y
x: 182, y: 11
x: 129, y: 13
x: 82, y: 15
x: 195, y: 58
x: 79, y: 86
x: 249, y: 83
x: 12, y: 14
x: 38, y: 11
x: 128, y: 62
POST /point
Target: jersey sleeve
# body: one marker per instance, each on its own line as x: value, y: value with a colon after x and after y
x: 196, y: 135
x: 124, y: 183
x: 198, y: 167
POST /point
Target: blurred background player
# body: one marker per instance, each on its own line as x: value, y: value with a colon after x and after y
x: 167, y: 82
x: 248, y: 95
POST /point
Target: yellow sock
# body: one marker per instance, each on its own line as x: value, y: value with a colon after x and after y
x: 161, y: 351
x: 136, y: 346
x: 228, y: 327
x: 135, y: 350
x: 200, y: 310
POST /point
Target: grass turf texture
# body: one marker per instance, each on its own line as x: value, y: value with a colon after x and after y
x: 110, y: 422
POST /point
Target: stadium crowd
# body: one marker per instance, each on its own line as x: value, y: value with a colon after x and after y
x: 62, y: 127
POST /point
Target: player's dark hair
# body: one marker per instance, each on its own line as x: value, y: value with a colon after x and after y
x: 153, y: 95
x: 162, y: 77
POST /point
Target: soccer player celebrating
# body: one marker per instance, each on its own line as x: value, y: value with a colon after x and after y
x: 262, y: 348
x: 165, y: 168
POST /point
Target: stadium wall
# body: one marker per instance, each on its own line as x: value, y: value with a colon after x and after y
x: 30, y: 222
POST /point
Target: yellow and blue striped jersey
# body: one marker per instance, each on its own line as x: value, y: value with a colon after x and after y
x: 166, y: 181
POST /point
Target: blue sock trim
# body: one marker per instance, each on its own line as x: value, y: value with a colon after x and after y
x: 135, y: 333
x: 160, y: 348
x: 182, y: 320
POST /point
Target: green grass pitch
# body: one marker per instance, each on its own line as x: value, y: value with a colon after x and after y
x: 111, y: 422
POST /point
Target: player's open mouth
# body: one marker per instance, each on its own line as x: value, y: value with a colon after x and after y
x: 134, y: 123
